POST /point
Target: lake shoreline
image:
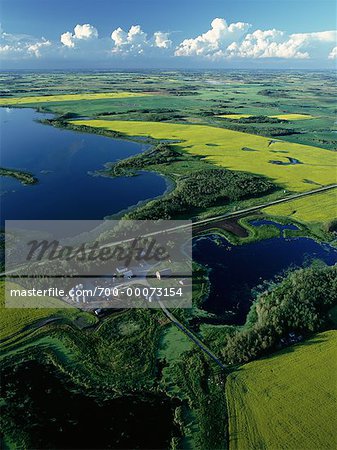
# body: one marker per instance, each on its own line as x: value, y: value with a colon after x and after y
x: 69, y: 161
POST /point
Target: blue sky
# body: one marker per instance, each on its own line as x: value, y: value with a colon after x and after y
x: 170, y: 33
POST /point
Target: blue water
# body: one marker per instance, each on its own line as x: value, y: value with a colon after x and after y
x: 236, y: 270
x: 281, y: 227
x: 62, y: 160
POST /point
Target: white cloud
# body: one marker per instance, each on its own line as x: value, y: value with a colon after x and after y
x: 136, y: 41
x: 83, y: 32
x: 220, y: 42
x: 333, y: 53
x: 214, y: 42
x: 67, y: 39
x: 136, y: 35
x: 119, y: 37
x: 276, y: 44
x: 268, y: 44
x: 13, y: 46
x: 234, y: 41
x: 133, y: 41
x: 162, y: 40
x: 38, y: 47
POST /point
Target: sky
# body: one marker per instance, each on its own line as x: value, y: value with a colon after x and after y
x: 113, y: 34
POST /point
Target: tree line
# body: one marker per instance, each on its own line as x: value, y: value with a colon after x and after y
x: 300, y: 305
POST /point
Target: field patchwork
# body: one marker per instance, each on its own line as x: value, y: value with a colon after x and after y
x: 286, y: 401
x: 293, y: 166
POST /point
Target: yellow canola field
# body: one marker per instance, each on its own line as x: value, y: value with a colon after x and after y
x: 239, y: 151
x: 321, y: 207
x: 67, y: 98
x: 287, y: 401
x: 278, y: 116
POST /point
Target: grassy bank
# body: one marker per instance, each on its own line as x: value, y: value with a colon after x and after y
x: 318, y: 231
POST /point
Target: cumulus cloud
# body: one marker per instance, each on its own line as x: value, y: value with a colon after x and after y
x: 136, y: 41
x: 215, y: 41
x: 222, y: 41
x: 119, y: 37
x: 83, y: 32
x: 234, y: 41
x: 333, y: 53
x: 37, y: 48
x: 162, y: 40
x: 276, y: 44
x: 67, y: 39
x: 268, y: 44
x: 132, y: 41
x: 13, y: 46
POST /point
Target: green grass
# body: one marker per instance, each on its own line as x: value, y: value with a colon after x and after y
x: 117, y: 356
x: 13, y: 320
x: 224, y: 148
x: 66, y: 97
x: 173, y: 343
x: 286, y: 401
x: 255, y: 233
x: 321, y: 207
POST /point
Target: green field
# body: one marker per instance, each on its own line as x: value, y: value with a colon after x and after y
x: 4, y: 101
x: 286, y: 401
x: 173, y: 343
x: 238, y: 151
x: 321, y: 207
x: 14, y: 320
x: 194, y: 97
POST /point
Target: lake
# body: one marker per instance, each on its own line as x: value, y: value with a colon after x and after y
x: 280, y: 226
x: 236, y: 270
x: 62, y: 161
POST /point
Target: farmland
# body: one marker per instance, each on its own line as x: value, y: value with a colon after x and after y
x: 15, y: 320
x: 277, y: 116
x: 282, y: 401
x: 224, y: 141
x: 198, y: 98
x: 293, y: 116
x: 66, y: 98
x: 229, y: 149
x: 320, y: 208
